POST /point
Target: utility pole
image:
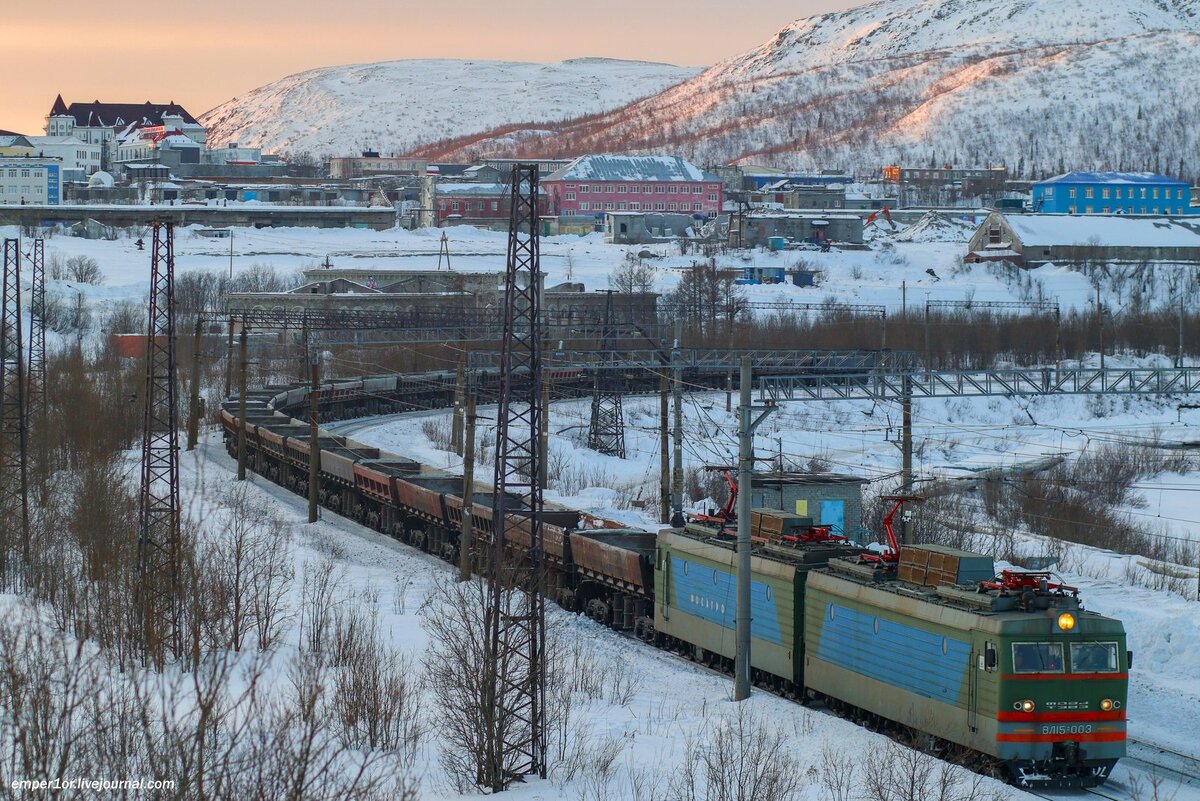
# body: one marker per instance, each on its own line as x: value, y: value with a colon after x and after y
x: 1100, y: 325
x: 883, y: 329
x: 751, y: 417
x: 544, y: 434
x: 35, y: 377
x: 928, y: 352
x: 906, y: 449
x: 466, y: 537
x: 677, y: 519
x: 664, y: 451
x: 1180, y: 360
x: 606, y: 429
x: 244, y: 348
x: 314, y: 433
x: 193, y: 432
x: 229, y: 360
x: 456, y: 421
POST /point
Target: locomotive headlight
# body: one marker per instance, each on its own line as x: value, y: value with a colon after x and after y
x: 1066, y: 621
x: 1027, y: 706
x: 1106, y: 704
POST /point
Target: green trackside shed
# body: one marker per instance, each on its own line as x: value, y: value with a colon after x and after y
x: 994, y: 672
x: 696, y: 592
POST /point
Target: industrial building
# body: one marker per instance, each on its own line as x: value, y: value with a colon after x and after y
x: 1142, y: 193
x: 1031, y: 240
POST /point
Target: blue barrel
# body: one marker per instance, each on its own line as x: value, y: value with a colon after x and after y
x: 776, y: 243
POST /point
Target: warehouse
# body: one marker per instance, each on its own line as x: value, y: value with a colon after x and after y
x: 1031, y: 240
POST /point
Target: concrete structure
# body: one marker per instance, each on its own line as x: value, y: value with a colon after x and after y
x: 640, y: 228
x: 14, y: 144
x: 983, y: 177
x: 1113, y: 193
x: 831, y: 499
x: 371, y: 163
x: 598, y: 184
x: 257, y: 216
x: 794, y: 226
x: 30, y: 180
x: 79, y: 158
x: 1030, y: 240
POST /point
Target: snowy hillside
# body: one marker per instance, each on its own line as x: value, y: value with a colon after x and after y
x: 395, y: 105
x: 932, y: 82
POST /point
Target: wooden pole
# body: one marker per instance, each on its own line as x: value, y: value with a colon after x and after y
x: 467, y: 535
x: 314, y: 433
x: 664, y: 451
x: 193, y: 429
x: 244, y: 347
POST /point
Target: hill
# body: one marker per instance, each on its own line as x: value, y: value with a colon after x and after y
x: 1041, y: 85
x: 394, y: 106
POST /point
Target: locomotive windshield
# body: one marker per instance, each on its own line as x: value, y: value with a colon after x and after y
x: 1094, y: 657
x: 1037, y: 657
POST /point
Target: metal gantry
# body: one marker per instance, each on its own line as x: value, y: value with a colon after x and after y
x: 516, y: 692
x: 37, y: 330
x: 14, y: 476
x: 717, y: 360
x: 890, y: 386
x: 606, y: 432
x: 158, y: 521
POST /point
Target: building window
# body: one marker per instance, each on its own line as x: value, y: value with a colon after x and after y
x: 713, y: 197
x: 658, y: 190
x: 994, y: 234
x: 1143, y: 207
x: 622, y: 189
x: 1048, y: 191
x: 24, y: 173
x: 1105, y: 210
x: 660, y: 206
x: 608, y: 206
x: 1105, y: 192
x: 621, y: 206
x: 635, y: 189
x: 1089, y: 192
x: 1090, y: 210
x: 1156, y: 193
x: 495, y: 205
x: 584, y: 188
x: 1179, y: 210
x: 585, y: 206
x: 697, y: 207
x: 1070, y: 210
x: 1143, y: 194
x: 697, y: 190
x: 454, y: 206
x: 570, y: 196
x: 635, y: 206
x: 1072, y: 193
x: 608, y: 188
x: 1179, y: 195
x: 673, y: 207
x: 674, y: 190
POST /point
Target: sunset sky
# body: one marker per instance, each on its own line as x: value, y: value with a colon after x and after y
x: 202, y: 54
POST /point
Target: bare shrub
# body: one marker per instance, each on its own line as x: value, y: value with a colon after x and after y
x: 743, y: 758
x: 83, y: 270
x: 437, y: 431
x: 907, y: 774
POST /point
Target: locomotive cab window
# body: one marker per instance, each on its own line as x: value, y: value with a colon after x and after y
x: 1037, y: 657
x: 1094, y: 657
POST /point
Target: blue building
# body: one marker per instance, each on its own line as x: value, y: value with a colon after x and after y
x: 1113, y: 193
x: 30, y: 180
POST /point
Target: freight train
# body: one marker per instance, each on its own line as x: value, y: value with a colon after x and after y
x: 922, y: 639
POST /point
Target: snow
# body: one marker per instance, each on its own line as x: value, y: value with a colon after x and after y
x: 395, y: 105
x: 672, y: 700
x: 631, y: 168
x: 1105, y: 231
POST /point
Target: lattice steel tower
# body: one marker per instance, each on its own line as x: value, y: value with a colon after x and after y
x: 37, y: 330
x: 516, y: 603
x: 606, y: 433
x: 14, y: 476
x: 158, y: 530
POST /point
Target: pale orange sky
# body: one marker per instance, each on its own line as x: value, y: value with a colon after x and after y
x: 200, y: 54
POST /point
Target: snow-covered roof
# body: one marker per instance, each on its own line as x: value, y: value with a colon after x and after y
x: 472, y: 189
x: 1104, y: 231
x: 631, y: 168
x: 1111, y: 178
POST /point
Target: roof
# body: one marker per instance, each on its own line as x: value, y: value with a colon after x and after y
x: 14, y: 140
x: 111, y: 115
x: 9, y: 133
x: 473, y: 189
x: 1047, y: 230
x: 1110, y: 178
x: 631, y: 168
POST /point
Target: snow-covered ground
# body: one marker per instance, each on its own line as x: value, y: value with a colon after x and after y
x: 667, y: 702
